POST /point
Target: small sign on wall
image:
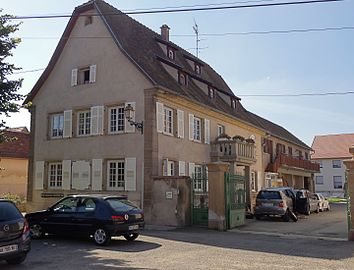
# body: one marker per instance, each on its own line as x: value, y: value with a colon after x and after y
x: 169, y: 195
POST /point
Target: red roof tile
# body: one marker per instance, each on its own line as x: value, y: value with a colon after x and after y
x: 332, y: 146
x: 16, y: 148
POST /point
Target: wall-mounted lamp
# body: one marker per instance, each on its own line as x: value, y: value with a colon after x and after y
x: 129, y: 113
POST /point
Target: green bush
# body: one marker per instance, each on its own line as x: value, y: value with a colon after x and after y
x: 20, y: 201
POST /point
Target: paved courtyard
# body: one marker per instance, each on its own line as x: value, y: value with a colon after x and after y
x: 332, y: 224
x: 191, y: 248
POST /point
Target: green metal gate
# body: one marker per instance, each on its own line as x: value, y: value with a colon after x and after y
x: 235, y: 196
x: 200, y: 199
x: 347, y: 196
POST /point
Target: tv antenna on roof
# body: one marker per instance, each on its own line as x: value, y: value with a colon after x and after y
x: 197, y: 40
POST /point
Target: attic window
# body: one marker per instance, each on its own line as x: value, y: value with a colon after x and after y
x: 170, y: 53
x: 182, y: 78
x: 211, y: 92
x: 233, y: 103
x: 88, y: 20
x: 197, y: 69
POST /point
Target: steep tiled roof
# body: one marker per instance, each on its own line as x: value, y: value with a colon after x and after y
x: 140, y: 44
x: 17, y: 145
x: 332, y: 146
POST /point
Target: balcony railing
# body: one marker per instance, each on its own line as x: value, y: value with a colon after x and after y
x: 283, y: 160
x: 233, y: 151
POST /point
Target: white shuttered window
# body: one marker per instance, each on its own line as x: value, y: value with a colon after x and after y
x: 39, y: 175
x: 180, y: 124
x: 97, y: 120
x: 159, y: 117
x: 68, y: 128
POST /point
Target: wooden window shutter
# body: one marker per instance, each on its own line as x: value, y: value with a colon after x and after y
x: 181, y: 168
x: 92, y: 73
x: 81, y: 175
x: 130, y: 174
x: 180, y: 124
x: 74, y: 77
x: 97, y: 120
x: 191, y: 168
x: 66, y: 174
x: 159, y: 117
x: 39, y: 175
x: 191, y: 127
x: 128, y: 127
x: 207, y: 131
x: 97, y: 174
x: 165, y: 167
x: 68, y: 129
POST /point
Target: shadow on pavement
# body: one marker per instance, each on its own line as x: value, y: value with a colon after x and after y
x: 313, y: 248
x: 52, y: 253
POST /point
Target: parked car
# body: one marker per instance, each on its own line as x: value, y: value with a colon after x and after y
x: 306, y: 202
x: 323, y: 202
x: 15, y: 240
x: 97, y: 216
x: 273, y: 202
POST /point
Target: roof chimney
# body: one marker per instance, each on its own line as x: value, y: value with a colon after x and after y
x: 165, y: 32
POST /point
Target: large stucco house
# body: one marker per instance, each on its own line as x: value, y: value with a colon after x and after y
x: 330, y: 151
x: 82, y: 142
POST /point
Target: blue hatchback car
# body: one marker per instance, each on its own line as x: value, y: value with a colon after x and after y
x: 15, y: 241
x: 97, y: 216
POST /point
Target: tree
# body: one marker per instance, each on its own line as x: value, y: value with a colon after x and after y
x: 9, y: 96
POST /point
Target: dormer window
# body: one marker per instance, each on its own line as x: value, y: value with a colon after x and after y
x: 211, y: 92
x: 182, y: 78
x: 197, y: 69
x: 233, y: 103
x: 170, y: 53
x: 88, y: 20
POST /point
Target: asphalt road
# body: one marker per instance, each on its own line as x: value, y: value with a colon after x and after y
x: 192, y: 248
x: 332, y: 224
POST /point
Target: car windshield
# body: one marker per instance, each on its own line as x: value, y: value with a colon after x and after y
x: 121, y: 205
x: 9, y: 211
x: 269, y: 195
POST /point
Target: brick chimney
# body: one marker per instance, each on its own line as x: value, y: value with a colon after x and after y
x: 165, y: 32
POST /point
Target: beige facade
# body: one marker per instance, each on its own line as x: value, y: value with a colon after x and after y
x: 13, y: 176
x: 82, y: 143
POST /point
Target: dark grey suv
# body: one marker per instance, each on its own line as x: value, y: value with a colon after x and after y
x: 15, y: 241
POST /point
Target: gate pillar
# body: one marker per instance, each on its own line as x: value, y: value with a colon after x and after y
x: 350, y: 194
x: 216, y: 185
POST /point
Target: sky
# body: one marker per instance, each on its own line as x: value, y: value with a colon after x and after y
x: 252, y: 64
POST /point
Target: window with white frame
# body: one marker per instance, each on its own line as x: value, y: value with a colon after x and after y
x: 221, y: 130
x: 116, y: 119
x: 169, y: 170
x: 197, y: 129
x: 170, y: 53
x: 198, y: 178
x: 211, y: 92
x: 182, y: 78
x: 168, y: 120
x: 336, y: 163
x: 55, y: 175
x: 115, y: 174
x: 83, y: 123
x: 57, y: 125
x: 233, y: 103
x: 319, y: 180
x: 253, y: 181
x: 197, y: 68
x: 337, y: 182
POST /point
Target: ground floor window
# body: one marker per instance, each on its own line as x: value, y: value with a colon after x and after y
x: 115, y: 174
x: 337, y: 182
x: 319, y: 180
x: 200, y: 182
x: 55, y: 175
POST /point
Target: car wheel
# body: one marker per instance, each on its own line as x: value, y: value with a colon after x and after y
x: 131, y: 236
x: 286, y: 217
x: 17, y: 260
x: 36, y: 231
x: 101, y: 237
x: 308, y: 211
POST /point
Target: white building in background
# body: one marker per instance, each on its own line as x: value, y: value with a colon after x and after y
x: 330, y: 151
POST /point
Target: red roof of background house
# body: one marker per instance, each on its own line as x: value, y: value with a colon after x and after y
x: 332, y: 146
x: 16, y: 148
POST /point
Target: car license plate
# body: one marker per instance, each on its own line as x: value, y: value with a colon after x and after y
x: 133, y: 227
x: 267, y: 204
x: 7, y: 249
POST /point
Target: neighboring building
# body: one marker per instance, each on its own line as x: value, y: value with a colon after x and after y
x: 14, y: 161
x: 329, y: 152
x: 82, y: 142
